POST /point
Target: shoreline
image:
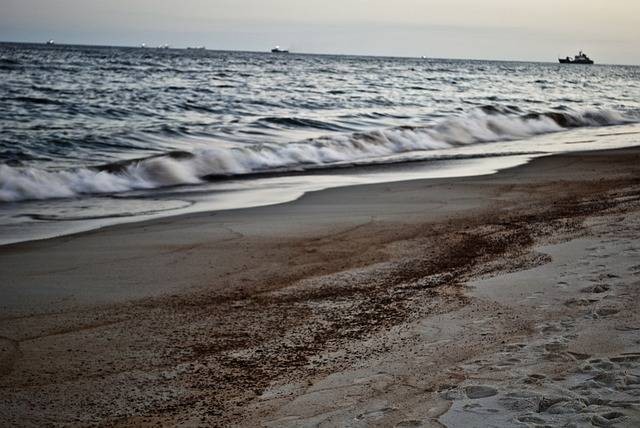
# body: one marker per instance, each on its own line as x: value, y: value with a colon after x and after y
x: 274, y: 315
x: 410, y: 170
x: 403, y: 169
x: 46, y: 218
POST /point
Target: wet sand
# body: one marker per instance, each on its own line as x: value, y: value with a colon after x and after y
x: 422, y: 303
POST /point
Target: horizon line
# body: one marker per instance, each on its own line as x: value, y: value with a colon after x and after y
x: 169, y: 47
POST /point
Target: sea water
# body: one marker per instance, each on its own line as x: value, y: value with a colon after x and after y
x: 91, y: 136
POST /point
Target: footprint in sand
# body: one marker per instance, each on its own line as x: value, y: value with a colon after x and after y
x: 475, y: 392
x: 565, y: 407
x: 627, y: 327
x: 598, y: 288
x: 531, y: 419
x: 605, y: 311
x: 607, y: 419
x: 552, y: 328
x: 555, y: 347
x: 375, y: 414
x: 626, y: 358
x: 579, y: 303
x: 534, y: 378
x: 409, y: 424
x: 513, y: 347
x: 579, y: 356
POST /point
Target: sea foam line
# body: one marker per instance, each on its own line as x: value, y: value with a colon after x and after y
x: 24, y: 183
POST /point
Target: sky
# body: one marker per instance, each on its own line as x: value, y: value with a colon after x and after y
x: 538, y: 30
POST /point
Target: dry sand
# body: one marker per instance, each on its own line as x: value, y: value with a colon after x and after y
x: 505, y: 299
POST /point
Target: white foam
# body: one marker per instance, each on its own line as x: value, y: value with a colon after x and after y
x: 22, y: 183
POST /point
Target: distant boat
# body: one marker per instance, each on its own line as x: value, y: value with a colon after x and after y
x: 143, y: 45
x: 50, y: 42
x: 197, y: 48
x: 581, y: 58
x: 278, y: 50
x: 163, y: 47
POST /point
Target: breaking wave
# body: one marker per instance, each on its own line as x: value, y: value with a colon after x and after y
x: 488, y: 124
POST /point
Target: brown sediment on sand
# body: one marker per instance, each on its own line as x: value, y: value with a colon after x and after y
x: 233, y: 318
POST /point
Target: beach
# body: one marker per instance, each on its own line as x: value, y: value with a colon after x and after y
x: 509, y: 298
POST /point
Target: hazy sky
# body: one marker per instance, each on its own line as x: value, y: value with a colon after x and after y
x: 609, y: 30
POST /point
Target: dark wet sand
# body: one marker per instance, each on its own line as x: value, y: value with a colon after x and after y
x: 278, y: 315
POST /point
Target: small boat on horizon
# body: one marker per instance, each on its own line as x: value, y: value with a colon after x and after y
x: 278, y: 50
x: 581, y: 58
x: 50, y: 42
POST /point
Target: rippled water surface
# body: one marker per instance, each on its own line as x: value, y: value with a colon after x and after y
x: 73, y: 118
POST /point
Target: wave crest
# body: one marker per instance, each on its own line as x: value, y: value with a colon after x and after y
x: 489, y: 124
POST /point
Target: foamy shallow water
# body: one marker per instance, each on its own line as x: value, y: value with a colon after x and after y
x: 46, y: 219
x: 49, y: 218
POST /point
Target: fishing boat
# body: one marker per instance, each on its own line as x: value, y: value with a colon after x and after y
x: 278, y: 50
x: 581, y: 58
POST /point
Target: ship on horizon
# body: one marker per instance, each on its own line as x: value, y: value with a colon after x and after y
x: 581, y: 58
x: 278, y: 50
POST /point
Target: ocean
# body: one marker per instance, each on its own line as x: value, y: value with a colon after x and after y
x: 93, y: 136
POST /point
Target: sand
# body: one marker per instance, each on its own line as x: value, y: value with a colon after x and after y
x: 501, y: 299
